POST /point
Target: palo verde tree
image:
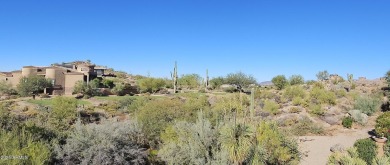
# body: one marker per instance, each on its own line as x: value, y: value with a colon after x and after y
x: 322, y: 75
x: 32, y: 85
x: 240, y: 79
x: 280, y: 81
x: 190, y: 81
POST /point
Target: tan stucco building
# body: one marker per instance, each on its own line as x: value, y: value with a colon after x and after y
x: 63, y: 76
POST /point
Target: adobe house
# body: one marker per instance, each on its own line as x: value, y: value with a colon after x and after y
x: 63, y: 76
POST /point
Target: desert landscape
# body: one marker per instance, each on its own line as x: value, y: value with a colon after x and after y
x: 185, y: 82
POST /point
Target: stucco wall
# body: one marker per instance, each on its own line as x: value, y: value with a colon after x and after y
x: 70, y: 81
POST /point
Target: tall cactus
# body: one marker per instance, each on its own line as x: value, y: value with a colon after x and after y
x: 350, y: 78
x: 207, y: 79
x: 174, y: 78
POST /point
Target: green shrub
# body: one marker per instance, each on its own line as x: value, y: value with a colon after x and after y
x: 322, y: 96
x: 264, y: 94
x: 295, y: 110
x: 88, y: 90
x: 190, y: 81
x: 296, y: 80
x: 316, y: 109
x: 110, y: 142
x: 121, y: 89
x: 349, y: 157
x: 368, y: 105
x: 279, y: 148
x: 386, y: 148
x: 21, y: 144
x: 151, y: 85
x: 32, y: 85
x: 241, y: 79
x: 382, y: 126
x: 6, y: 88
x: 347, y: 122
x: 293, y: 92
x: 271, y: 107
x: 62, y: 114
x: 298, y: 101
x: 340, y: 93
x: 305, y: 126
x: 217, y: 82
x: 280, y: 81
x: 366, y: 149
x: 108, y: 83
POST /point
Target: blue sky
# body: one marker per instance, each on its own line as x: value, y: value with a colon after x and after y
x: 263, y: 38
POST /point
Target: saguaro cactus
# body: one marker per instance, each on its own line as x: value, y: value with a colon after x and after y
x: 174, y: 78
x: 207, y: 79
x: 350, y: 78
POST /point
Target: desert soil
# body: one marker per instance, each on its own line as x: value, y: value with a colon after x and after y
x: 316, y: 149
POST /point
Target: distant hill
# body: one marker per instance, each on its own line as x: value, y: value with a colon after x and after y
x: 266, y: 83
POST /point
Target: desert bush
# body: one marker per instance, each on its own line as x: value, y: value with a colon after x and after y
x: 87, y: 90
x: 110, y: 142
x: 241, y: 79
x: 121, y: 89
x: 217, y: 82
x: 382, y: 126
x: 383, y: 160
x: 298, y: 101
x: 366, y: 149
x: 367, y: 105
x: 271, y: 107
x: 151, y: 85
x: 322, y: 96
x: 323, y: 75
x: 192, y: 143
x: 108, y: 83
x: 340, y: 93
x: 295, y: 110
x: 347, y: 122
x: 7, y: 120
x: 305, y: 126
x: 32, y: 85
x: 18, y: 143
x: 63, y: 113
x: 349, y: 157
x: 7, y: 89
x: 279, y: 148
x: 316, y: 109
x: 386, y: 148
x: 190, y: 81
x: 293, y: 92
x: 262, y: 94
x: 280, y: 81
x: 296, y: 80
x: 227, y: 106
x: 158, y: 114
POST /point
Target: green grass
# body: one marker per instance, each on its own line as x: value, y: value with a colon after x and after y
x: 49, y: 102
x: 114, y: 98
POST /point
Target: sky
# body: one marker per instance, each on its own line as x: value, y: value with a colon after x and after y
x: 262, y: 38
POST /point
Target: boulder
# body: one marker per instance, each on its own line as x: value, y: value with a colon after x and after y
x: 337, y: 147
x: 358, y: 116
x: 332, y: 120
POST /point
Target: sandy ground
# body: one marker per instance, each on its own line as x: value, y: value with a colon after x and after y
x: 317, y: 148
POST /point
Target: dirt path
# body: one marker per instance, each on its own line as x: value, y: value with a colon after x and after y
x: 317, y: 148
